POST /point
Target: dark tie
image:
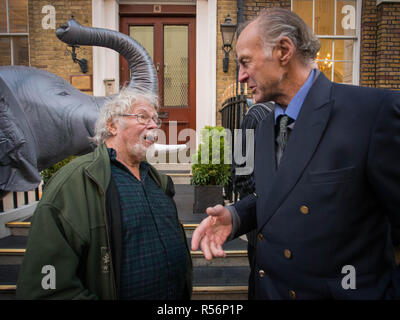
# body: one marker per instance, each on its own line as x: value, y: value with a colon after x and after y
x: 283, y: 132
x: 282, y: 136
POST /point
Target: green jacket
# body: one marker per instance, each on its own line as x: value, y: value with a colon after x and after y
x: 70, y: 232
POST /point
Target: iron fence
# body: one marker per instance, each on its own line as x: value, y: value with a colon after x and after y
x: 233, y: 111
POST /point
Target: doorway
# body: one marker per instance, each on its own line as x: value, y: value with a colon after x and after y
x: 171, y: 43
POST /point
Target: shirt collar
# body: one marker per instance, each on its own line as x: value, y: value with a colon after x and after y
x: 294, y: 106
x: 143, y: 166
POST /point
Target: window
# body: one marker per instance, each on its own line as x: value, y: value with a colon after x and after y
x: 336, y: 24
x: 14, y: 46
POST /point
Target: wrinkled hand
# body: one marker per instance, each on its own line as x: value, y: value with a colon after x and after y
x: 212, y: 232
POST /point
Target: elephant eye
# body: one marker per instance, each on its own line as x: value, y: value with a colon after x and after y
x: 63, y: 93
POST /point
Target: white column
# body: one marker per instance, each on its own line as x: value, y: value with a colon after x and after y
x: 105, y: 61
x: 206, y: 30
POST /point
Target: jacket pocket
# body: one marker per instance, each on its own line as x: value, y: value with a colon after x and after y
x: 331, y: 176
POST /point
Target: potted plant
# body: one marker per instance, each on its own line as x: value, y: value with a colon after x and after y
x: 210, y: 168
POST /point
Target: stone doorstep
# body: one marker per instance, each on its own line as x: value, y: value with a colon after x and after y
x: 173, y: 166
x: 20, y: 213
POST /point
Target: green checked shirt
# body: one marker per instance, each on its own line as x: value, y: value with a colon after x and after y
x: 154, y: 258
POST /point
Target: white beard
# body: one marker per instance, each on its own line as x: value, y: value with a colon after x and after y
x: 138, y: 151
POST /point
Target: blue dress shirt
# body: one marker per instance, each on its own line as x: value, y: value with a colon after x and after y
x: 295, y: 104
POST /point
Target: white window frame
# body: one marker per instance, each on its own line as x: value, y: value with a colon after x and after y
x: 13, y: 35
x: 356, y: 38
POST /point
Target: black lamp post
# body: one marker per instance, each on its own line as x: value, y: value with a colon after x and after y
x: 228, y: 32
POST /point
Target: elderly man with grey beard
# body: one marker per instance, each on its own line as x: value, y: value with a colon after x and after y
x: 107, y: 225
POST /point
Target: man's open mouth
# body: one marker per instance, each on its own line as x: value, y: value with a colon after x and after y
x: 150, y: 136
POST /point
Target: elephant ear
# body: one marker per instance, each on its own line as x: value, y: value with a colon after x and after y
x: 18, y: 166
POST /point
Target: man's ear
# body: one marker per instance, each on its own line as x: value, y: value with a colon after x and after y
x: 111, y: 127
x: 286, y: 50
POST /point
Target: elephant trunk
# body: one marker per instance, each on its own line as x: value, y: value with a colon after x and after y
x: 144, y: 76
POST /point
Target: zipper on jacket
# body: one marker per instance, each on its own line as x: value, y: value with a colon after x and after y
x: 107, y: 232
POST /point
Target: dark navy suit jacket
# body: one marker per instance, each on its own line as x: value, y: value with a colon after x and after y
x: 333, y: 202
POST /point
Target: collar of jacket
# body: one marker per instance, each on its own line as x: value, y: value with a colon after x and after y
x: 99, y: 168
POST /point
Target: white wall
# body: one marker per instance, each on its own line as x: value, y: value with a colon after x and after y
x: 206, y: 30
x: 105, y: 61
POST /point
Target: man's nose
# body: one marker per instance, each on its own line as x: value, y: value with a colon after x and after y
x: 152, y: 124
x: 242, y: 76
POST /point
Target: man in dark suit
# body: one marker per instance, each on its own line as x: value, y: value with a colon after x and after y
x: 327, y: 175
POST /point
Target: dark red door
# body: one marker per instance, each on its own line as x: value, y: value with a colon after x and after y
x: 170, y: 41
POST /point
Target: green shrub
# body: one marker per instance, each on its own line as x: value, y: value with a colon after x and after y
x: 49, y: 172
x: 211, y: 163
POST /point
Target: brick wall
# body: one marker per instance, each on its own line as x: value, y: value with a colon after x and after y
x: 224, y: 80
x: 46, y: 51
x: 388, y: 46
x: 252, y: 7
x: 368, y: 43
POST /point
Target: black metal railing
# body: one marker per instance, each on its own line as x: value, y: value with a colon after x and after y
x: 233, y: 111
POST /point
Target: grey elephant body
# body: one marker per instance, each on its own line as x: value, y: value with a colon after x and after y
x: 43, y: 119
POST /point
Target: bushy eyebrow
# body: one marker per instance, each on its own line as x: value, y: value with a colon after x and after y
x: 143, y: 110
x: 239, y: 60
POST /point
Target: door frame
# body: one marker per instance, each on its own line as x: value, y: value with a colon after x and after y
x: 132, y: 11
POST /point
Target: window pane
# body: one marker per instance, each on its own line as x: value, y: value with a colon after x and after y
x: 344, y: 49
x: 304, y: 9
x: 18, y: 14
x: 324, y: 57
x: 324, y: 17
x: 3, y: 16
x: 145, y: 36
x: 5, y: 52
x: 176, y: 66
x: 346, y: 18
x: 325, y: 53
x: 21, y: 51
x: 343, y: 72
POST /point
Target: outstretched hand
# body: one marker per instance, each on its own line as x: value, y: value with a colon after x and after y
x: 212, y: 232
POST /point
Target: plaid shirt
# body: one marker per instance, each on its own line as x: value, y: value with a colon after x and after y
x: 154, y: 256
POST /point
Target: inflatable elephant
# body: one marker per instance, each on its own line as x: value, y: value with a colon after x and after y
x: 43, y: 119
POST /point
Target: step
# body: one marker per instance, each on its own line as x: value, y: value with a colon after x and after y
x: 9, y: 274
x: 7, y: 292
x: 171, y: 167
x: 12, y: 250
x: 179, y: 172
x: 180, y: 178
x: 21, y: 228
x: 233, y: 258
x: 220, y: 293
x: 208, y: 282
x: 221, y: 276
x: 189, y: 229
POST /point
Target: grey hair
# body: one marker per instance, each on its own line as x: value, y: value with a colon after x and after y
x: 275, y: 23
x: 122, y: 103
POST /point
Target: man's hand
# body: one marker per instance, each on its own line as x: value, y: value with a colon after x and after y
x: 212, y: 232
